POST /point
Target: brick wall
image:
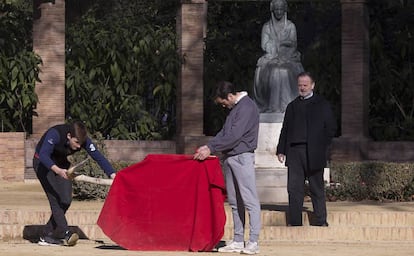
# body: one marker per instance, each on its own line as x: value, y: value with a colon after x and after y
x: 135, y: 151
x: 12, y: 152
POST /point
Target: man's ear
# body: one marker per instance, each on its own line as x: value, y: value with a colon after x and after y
x: 230, y: 97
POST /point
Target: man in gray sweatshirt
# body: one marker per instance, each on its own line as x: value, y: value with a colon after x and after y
x: 237, y: 140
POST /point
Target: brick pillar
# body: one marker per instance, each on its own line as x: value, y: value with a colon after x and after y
x: 355, y: 81
x: 191, y: 23
x: 12, y: 152
x: 49, y: 43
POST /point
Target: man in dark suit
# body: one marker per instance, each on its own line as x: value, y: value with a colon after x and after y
x: 308, y: 128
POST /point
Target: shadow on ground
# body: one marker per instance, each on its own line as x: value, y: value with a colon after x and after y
x: 284, y: 208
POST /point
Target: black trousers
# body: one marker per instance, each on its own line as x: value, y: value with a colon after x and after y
x: 298, y: 171
x: 59, y: 194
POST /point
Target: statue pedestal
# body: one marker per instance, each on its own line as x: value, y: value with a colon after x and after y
x: 271, y: 175
x: 265, y: 154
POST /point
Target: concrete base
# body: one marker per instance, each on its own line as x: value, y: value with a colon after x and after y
x: 272, y: 185
x: 265, y: 154
x: 271, y: 175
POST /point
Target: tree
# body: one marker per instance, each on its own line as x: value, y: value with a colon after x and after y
x: 19, y: 66
x: 121, y: 69
x: 391, y: 70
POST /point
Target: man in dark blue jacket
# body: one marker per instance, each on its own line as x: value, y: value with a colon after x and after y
x: 308, y: 128
x: 51, y: 165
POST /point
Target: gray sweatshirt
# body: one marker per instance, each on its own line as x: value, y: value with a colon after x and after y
x: 240, y: 131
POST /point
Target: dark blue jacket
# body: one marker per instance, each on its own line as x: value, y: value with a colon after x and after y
x: 53, y: 148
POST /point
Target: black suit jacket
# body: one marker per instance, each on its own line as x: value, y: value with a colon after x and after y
x: 321, y: 128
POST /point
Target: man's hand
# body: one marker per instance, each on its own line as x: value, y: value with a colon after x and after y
x: 113, y: 175
x: 281, y: 157
x: 61, y: 172
x: 202, y: 153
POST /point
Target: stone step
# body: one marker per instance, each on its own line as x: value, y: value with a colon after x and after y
x: 267, y: 234
x: 334, y: 234
x: 343, y: 218
x: 269, y: 218
x: 30, y: 217
x: 344, y: 226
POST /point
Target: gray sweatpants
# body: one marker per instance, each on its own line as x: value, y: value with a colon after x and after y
x: 242, y: 194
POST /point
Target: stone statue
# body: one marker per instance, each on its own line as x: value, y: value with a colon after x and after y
x: 275, y: 82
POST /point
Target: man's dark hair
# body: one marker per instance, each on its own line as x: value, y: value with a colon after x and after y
x: 223, y: 88
x: 79, y: 131
x: 308, y: 74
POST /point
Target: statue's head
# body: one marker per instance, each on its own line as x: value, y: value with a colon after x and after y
x: 278, y: 5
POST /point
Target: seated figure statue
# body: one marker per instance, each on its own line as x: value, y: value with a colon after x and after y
x: 275, y: 83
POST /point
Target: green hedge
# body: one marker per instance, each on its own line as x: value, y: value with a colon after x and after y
x: 371, y: 181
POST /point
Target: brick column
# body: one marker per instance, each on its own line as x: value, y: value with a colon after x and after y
x: 355, y: 81
x: 355, y: 68
x: 12, y: 152
x: 191, y: 23
x: 49, y: 43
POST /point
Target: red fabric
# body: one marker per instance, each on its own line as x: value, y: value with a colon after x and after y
x: 166, y: 202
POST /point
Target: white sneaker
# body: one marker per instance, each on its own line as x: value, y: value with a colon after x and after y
x: 232, y: 247
x: 48, y: 241
x: 251, y: 248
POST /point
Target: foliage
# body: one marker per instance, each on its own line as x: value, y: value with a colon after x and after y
x: 233, y: 47
x: 319, y: 41
x: 391, y: 70
x: 89, y: 191
x: 122, y: 65
x: 121, y: 70
x: 19, y: 67
x: 372, y: 181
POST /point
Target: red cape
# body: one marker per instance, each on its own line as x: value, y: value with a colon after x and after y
x: 166, y: 202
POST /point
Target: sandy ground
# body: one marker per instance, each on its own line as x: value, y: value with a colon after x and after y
x: 88, y: 248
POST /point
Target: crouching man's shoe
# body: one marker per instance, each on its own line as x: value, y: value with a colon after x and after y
x: 49, y: 241
x: 70, y: 238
